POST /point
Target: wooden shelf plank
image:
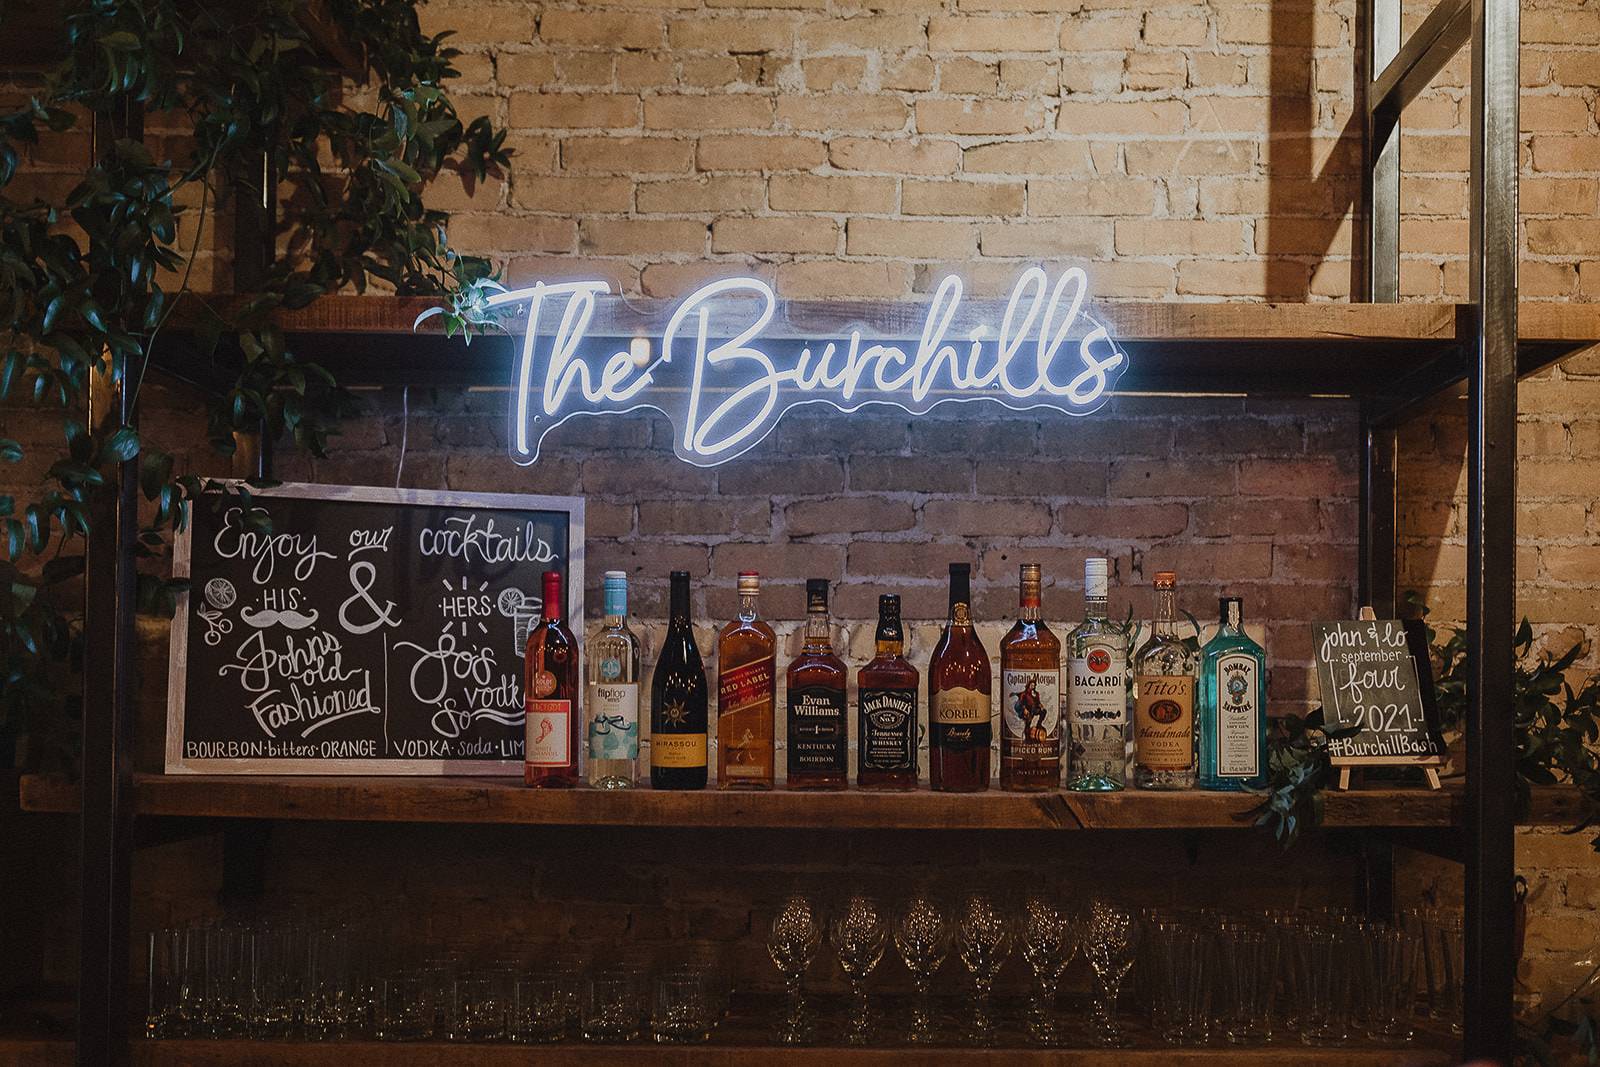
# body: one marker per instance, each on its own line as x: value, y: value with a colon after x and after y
x: 236, y: 1053
x: 506, y: 800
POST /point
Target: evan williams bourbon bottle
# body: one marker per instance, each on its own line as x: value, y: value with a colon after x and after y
x: 818, y: 730
x: 886, y: 728
x: 678, y: 701
x: 959, y: 684
x: 550, y: 695
x: 1030, y: 696
x: 747, y: 687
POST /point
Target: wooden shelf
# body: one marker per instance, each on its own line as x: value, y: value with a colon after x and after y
x: 506, y: 800
x: 1337, y: 348
x: 232, y: 1053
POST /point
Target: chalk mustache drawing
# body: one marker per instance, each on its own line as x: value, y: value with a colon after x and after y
x: 289, y: 620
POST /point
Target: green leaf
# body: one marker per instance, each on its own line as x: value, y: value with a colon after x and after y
x: 123, y: 445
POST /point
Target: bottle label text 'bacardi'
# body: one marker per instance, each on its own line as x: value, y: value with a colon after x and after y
x: 1097, y: 711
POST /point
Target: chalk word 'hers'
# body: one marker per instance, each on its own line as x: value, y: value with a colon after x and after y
x: 724, y: 394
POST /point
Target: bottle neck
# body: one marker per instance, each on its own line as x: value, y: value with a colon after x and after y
x: 817, y: 637
x: 1165, y: 624
x: 1233, y: 618
x: 678, y: 609
x: 960, y: 615
x: 552, y: 604
x: 747, y: 607
x: 1028, y: 609
x: 890, y: 647
x: 1096, y: 607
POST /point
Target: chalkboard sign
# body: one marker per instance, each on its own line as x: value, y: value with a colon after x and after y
x: 1368, y: 674
x: 369, y: 631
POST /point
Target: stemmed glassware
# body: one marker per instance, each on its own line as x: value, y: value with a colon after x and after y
x: 1049, y: 939
x: 1111, y: 940
x: 859, y: 934
x: 922, y: 937
x: 984, y: 934
x: 792, y: 942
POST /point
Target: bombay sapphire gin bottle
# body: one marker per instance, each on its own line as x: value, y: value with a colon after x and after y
x: 613, y: 655
x: 1233, y: 706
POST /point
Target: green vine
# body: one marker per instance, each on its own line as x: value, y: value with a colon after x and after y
x: 89, y: 280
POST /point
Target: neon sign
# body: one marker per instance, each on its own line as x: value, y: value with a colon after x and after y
x: 724, y: 374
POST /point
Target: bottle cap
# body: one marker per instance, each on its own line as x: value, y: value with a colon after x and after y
x: 1166, y: 580
x: 617, y: 576
x: 1032, y: 578
x: 816, y: 594
x: 553, y: 607
x: 1230, y: 610
x: 616, y: 593
x: 749, y: 583
x: 1096, y: 577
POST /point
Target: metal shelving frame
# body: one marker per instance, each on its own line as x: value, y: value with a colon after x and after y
x: 1390, y: 73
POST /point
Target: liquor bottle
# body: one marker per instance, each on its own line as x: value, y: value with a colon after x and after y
x: 1030, y: 696
x: 1163, y: 700
x: 818, y: 730
x: 550, y: 695
x: 747, y: 689
x: 1233, y: 706
x: 886, y: 708
x: 959, y: 685
x: 1097, y: 691
x: 613, y: 694
x: 678, y: 701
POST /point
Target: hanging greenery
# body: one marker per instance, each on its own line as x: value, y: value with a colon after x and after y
x: 89, y: 280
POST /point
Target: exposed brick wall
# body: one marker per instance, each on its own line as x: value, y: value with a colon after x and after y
x: 1188, y: 151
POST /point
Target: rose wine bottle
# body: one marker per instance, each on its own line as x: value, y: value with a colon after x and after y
x: 550, y: 695
x: 818, y: 715
x: 1030, y: 696
x: 747, y: 689
x: 886, y: 708
x: 678, y: 701
x: 959, y: 685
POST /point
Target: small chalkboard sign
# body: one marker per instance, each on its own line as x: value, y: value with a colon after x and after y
x: 366, y: 631
x: 1367, y: 670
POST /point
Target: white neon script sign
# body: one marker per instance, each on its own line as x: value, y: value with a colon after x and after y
x: 725, y: 388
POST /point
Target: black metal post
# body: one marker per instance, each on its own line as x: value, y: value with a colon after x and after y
x: 1491, y: 536
x: 106, y: 824
x: 255, y: 223
x: 1378, y: 570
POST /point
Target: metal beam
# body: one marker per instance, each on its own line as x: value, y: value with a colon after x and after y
x: 1377, y: 491
x: 1377, y: 261
x: 1400, y: 76
x: 1491, y: 536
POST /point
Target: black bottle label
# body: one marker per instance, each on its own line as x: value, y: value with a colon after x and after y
x: 888, y: 735
x: 817, y: 737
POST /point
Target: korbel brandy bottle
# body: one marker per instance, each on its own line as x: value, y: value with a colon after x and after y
x: 747, y: 686
x: 959, y: 688
x: 550, y: 695
x: 886, y: 708
x: 1030, y: 696
x: 818, y: 715
x: 678, y: 701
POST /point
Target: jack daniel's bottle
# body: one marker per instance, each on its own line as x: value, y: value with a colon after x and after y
x: 886, y: 732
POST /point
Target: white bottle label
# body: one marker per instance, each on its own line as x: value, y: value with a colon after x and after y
x: 1238, y: 713
x: 614, y: 720
x: 1097, y: 692
x: 547, y: 733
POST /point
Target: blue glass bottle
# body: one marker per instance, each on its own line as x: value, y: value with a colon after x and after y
x: 1233, y: 706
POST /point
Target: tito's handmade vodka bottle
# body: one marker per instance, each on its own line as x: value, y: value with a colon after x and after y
x: 1163, y: 700
x: 1097, y: 691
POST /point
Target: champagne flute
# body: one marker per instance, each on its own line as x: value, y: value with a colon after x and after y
x: 922, y: 936
x: 859, y: 934
x: 792, y: 942
x: 1111, y: 941
x: 984, y: 934
x: 1049, y: 939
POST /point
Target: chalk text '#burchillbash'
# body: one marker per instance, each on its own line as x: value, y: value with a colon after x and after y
x: 725, y: 387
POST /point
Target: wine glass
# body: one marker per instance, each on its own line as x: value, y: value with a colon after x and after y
x: 859, y: 934
x: 983, y: 941
x: 792, y: 942
x: 1111, y: 938
x: 923, y: 937
x: 1049, y: 939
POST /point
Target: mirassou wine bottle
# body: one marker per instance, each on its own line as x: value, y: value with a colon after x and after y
x: 613, y: 693
x: 1233, y: 706
x: 678, y: 701
x: 818, y: 719
x: 959, y: 687
x: 747, y: 688
x: 1030, y: 695
x: 1163, y: 700
x: 550, y: 695
x: 1097, y: 691
x: 886, y: 708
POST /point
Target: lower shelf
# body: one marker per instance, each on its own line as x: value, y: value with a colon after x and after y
x: 231, y: 1053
